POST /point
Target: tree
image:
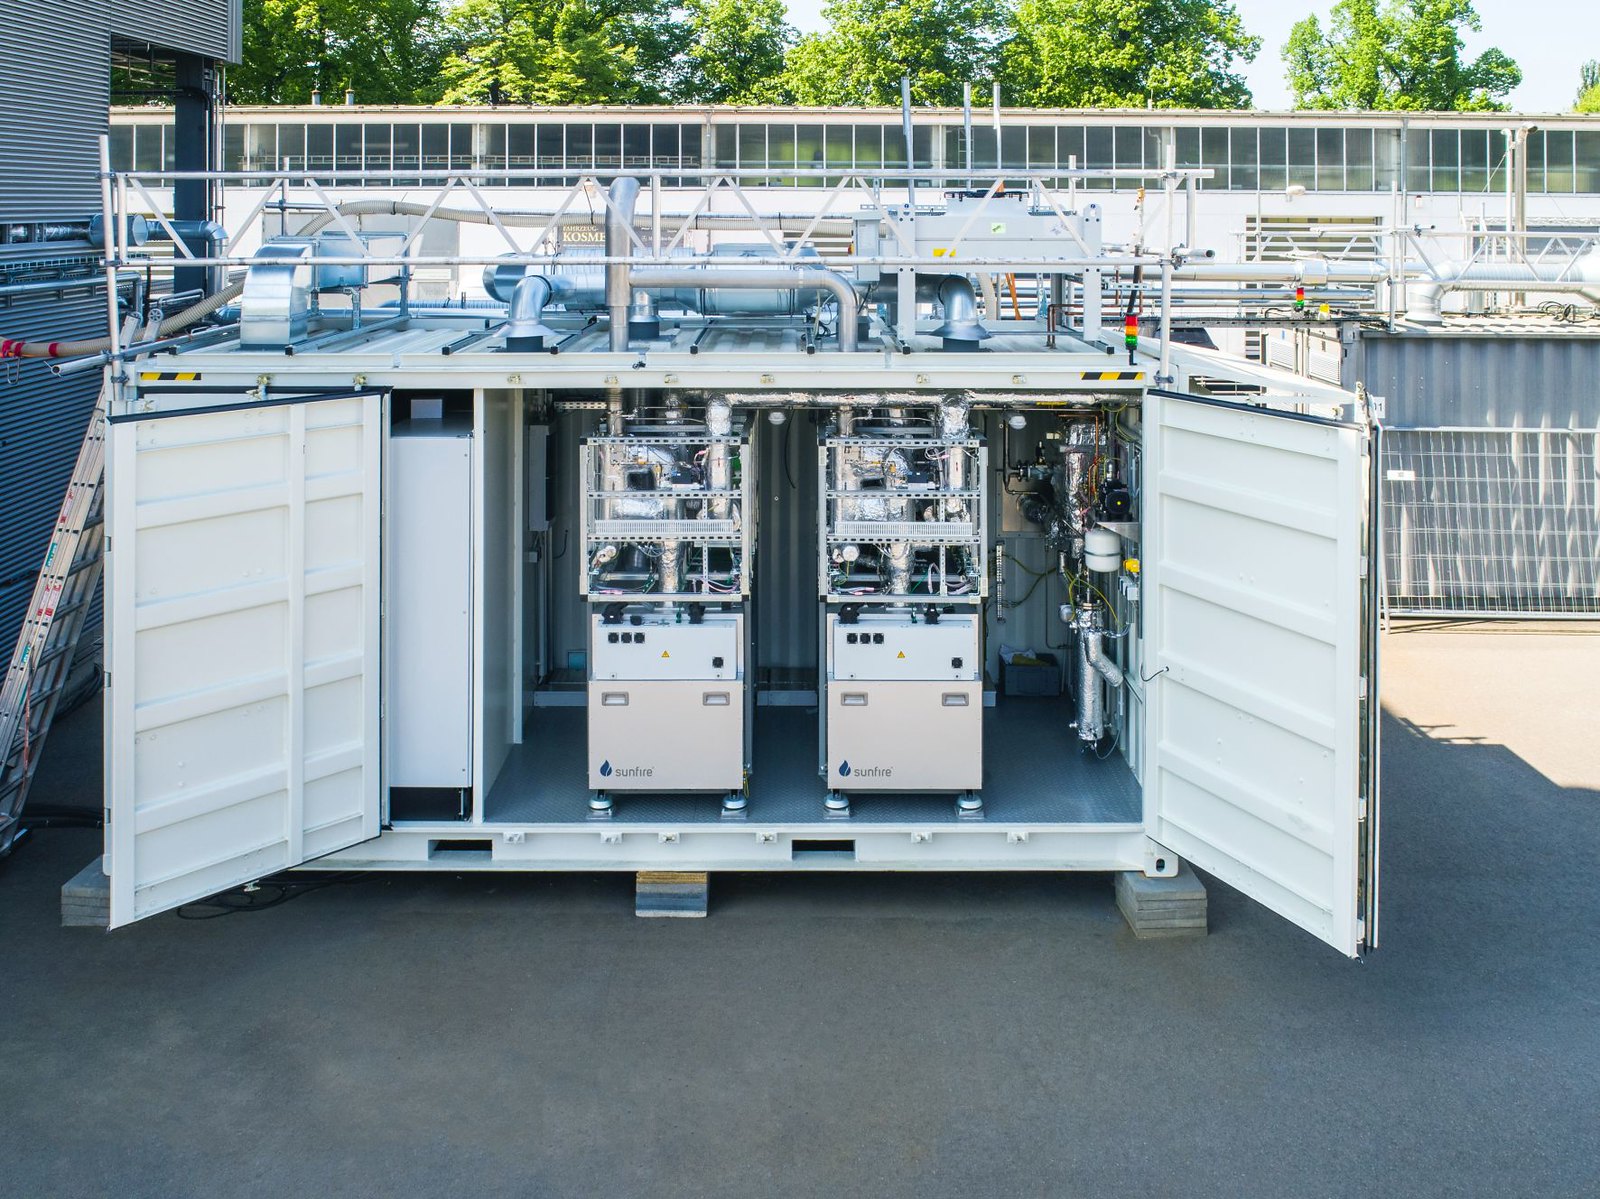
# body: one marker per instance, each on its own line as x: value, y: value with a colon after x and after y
x: 1405, y: 54
x: 562, y: 52
x: 1128, y: 54
x: 736, y: 51
x: 1588, y: 88
x: 388, y: 51
x: 870, y: 44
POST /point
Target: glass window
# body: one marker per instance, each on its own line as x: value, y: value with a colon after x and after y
x: 1098, y: 154
x: 347, y: 148
x: 1014, y: 148
x: 1475, y: 159
x: 1587, y: 174
x: 1130, y: 149
x: 869, y: 147
x: 665, y: 143
x: 522, y: 150
x: 169, y: 150
x: 461, y: 147
x: 727, y: 145
x: 1041, y: 148
x: 232, y: 147
x: 607, y: 147
x: 319, y: 147
x: 377, y: 141
x: 1535, y: 153
x: 122, y: 147
x: 1558, y: 173
x: 1387, y: 168
x: 494, y: 150
x: 1446, y: 146
x: 580, y: 147
x: 690, y: 153
x: 1274, y: 159
x: 1417, y: 177
x: 147, y: 148
x: 984, y: 155
x: 780, y: 146
x: 292, y: 146
x: 260, y: 147
x: 435, y: 147
x: 1069, y: 145
x: 407, y: 147
x: 752, y: 147
x: 636, y: 146
x: 1302, y: 158
x: 549, y: 143
x: 894, y: 145
x: 1358, y: 175
x: 1188, y: 143
x: 1244, y: 173
x: 810, y: 150
x: 1330, y: 160
x: 1214, y: 154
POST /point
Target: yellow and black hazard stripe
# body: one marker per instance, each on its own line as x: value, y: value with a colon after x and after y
x: 169, y: 376
x: 1112, y: 376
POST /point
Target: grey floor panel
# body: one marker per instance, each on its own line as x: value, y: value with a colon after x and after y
x: 1033, y: 773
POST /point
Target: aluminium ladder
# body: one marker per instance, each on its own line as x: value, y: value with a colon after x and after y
x: 49, y: 638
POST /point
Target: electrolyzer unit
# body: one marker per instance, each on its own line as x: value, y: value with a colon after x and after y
x: 668, y: 541
x: 902, y: 574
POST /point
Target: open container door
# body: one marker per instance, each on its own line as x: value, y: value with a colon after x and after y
x: 1261, y: 762
x: 243, y: 633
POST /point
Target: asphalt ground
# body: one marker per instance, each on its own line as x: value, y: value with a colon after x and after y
x: 886, y: 1036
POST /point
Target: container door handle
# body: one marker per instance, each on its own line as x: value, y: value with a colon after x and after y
x: 715, y: 699
x: 954, y: 699
x: 853, y: 699
x: 614, y: 699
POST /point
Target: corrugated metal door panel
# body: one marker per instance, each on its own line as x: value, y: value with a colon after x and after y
x: 207, y: 27
x: 1485, y: 381
x: 42, y: 422
x: 1254, y: 526
x: 56, y: 89
x: 245, y: 740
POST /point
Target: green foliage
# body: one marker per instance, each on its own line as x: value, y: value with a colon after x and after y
x: 387, y: 50
x: 870, y: 44
x: 736, y: 51
x: 562, y: 52
x: 1404, y: 54
x: 1588, y: 88
x: 1128, y: 54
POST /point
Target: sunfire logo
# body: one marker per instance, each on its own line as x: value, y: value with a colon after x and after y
x: 846, y: 771
x: 607, y: 770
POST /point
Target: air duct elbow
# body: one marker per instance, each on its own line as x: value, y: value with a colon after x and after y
x: 962, y: 330
x: 525, y: 329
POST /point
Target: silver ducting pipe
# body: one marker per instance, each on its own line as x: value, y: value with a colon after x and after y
x: 719, y: 423
x: 624, y: 198
x: 1426, y: 298
x: 799, y: 278
x: 962, y: 330
x: 1093, y: 665
x: 525, y: 329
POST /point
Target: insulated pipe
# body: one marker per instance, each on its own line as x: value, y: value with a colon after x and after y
x: 800, y: 278
x: 624, y: 198
x: 1581, y: 277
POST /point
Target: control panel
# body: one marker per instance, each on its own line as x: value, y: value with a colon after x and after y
x: 663, y: 644
x: 906, y: 645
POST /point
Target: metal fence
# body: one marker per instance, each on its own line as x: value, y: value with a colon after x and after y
x: 1491, y: 522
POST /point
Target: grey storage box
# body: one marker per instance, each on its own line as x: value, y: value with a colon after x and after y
x: 1038, y: 674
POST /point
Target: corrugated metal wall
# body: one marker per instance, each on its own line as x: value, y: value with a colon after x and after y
x: 1488, y: 380
x: 207, y: 27
x: 55, y: 80
x: 1480, y: 520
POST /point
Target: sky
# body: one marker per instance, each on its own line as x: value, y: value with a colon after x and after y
x: 1545, y: 37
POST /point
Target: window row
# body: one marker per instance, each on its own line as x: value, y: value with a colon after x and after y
x: 1242, y: 158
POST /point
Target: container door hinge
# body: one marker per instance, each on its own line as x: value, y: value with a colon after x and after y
x: 1361, y: 808
x: 1363, y: 566
x: 1361, y: 687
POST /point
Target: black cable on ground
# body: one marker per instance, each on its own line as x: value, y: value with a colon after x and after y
x: 258, y: 897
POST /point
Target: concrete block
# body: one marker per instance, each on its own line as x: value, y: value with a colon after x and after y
x: 86, y: 898
x: 670, y: 893
x: 1163, y: 907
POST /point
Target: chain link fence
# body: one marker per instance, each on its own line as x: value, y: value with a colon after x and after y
x: 1491, y: 522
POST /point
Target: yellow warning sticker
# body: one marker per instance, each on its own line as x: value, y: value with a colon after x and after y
x: 664, y: 654
x: 901, y: 654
